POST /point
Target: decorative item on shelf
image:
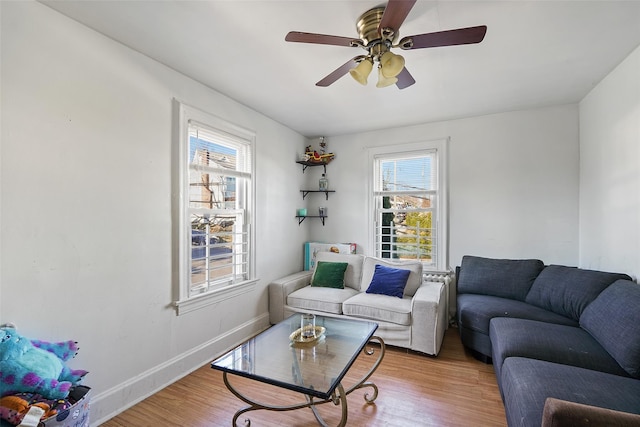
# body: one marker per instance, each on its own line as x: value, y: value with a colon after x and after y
x: 323, y: 146
x: 302, y: 212
x: 323, y: 183
x: 315, y: 157
x: 321, y: 157
x: 322, y: 211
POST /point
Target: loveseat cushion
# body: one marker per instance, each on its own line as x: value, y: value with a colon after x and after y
x: 568, y: 290
x: 527, y: 383
x: 353, y: 273
x: 505, y: 278
x: 413, y: 282
x: 328, y: 300
x: 379, y: 307
x: 568, y: 345
x: 614, y: 320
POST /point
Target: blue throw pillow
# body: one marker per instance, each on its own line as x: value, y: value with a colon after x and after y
x: 388, y: 281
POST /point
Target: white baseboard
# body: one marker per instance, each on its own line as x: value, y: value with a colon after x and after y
x: 110, y: 403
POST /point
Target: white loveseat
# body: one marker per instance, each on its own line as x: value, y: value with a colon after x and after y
x: 417, y: 321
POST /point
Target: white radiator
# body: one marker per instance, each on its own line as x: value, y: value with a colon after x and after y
x: 445, y: 277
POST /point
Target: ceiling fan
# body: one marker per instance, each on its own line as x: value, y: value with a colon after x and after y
x: 378, y: 29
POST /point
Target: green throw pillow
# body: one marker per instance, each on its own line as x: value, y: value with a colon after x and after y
x: 329, y: 275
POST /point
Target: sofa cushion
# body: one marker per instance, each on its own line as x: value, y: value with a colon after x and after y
x: 415, y: 273
x: 527, y: 383
x: 569, y: 345
x: 328, y: 300
x: 329, y: 274
x: 505, y: 278
x: 568, y: 290
x: 476, y: 311
x: 353, y: 274
x: 379, y: 307
x: 614, y: 320
x: 388, y: 281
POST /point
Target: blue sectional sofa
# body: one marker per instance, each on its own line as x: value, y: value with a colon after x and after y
x: 564, y: 341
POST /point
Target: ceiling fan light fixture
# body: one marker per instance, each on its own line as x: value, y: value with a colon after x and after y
x: 378, y: 31
x: 361, y: 72
x: 384, y: 81
x: 391, y: 64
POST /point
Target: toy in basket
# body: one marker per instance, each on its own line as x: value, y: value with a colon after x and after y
x: 31, y: 410
x: 36, y: 385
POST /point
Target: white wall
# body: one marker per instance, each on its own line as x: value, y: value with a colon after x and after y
x: 610, y: 171
x: 86, y: 206
x: 513, y: 179
x: 85, y: 199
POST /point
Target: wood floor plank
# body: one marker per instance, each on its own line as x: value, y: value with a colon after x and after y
x: 450, y: 390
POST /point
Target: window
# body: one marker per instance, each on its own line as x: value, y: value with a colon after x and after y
x: 409, y: 203
x: 215, y: 187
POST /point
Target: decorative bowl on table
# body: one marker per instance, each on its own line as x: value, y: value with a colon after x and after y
x: 297, y: 338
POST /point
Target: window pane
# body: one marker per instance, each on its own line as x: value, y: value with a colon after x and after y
x: 407, y: 174
x: 407, y: 228
x: 218, y: 250
x: 207, y: 153
x: 209, y: 186
x: 407, y: 235
x: 212, y: 190
x: 405, y: 203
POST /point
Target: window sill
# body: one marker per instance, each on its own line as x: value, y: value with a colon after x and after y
x: 203, y: 300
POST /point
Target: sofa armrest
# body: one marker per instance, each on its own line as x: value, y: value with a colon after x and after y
x: 562, y: 413
x: 429, y: 317
x: 280, y: 289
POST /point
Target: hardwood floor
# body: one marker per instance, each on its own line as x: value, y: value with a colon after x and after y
x: 452, y: 389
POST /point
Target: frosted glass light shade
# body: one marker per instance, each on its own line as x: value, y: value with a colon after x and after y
x: 385, y: 81
x: 361, y: 71
x: 391, y: 64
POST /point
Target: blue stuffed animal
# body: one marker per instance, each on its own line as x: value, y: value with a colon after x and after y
x: 36, y: 366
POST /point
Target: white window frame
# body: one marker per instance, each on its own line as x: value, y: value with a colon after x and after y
x: 185, y: 300
x: 441, y: 209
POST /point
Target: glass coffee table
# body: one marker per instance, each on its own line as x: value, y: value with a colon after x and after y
x: 313, y: 367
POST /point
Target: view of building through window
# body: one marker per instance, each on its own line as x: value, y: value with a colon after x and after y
x: 217, y: 186
x: 406, y: 197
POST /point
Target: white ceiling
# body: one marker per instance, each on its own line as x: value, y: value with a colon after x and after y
x: 535, y: 53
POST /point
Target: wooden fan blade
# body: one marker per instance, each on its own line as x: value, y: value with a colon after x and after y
x: 405, y: 79
x: 299, y: 37
x: 444, y: 38
x: 394, y: 14
x: 339, y: 72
